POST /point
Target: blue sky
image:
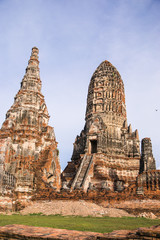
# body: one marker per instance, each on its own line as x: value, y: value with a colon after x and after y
x: 73, y: 38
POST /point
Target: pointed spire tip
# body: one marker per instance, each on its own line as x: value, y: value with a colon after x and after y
x: 35, y: 48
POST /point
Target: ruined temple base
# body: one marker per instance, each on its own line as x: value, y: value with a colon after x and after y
x: 28, y: 232
x: 127, y: 200
x: 148, y: 208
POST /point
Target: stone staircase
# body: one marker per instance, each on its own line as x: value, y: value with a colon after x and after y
x: 82, y: 173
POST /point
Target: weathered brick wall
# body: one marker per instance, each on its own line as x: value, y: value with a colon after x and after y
x: 148, y: 182
x: 8, y: 182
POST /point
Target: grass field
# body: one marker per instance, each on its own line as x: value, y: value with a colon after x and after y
x: 104, y: 224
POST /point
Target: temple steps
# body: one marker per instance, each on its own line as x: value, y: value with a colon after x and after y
x: 82, y: 173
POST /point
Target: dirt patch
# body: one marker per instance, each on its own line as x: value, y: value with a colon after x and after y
x: 79, y: 208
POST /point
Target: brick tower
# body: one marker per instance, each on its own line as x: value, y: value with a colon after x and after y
x: 106, y: 154
x: 28, y: 148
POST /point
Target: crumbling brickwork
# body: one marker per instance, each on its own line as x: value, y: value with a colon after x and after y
x: 28, y: 148
x: 147, y: 160
x: 107, y: 152
x: 148, y: 181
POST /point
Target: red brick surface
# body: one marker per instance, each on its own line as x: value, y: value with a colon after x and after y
x: 28, y: 232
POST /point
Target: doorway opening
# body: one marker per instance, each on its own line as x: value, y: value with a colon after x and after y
x: 93, y: 146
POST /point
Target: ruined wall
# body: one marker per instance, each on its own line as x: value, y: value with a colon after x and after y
x: 148, y: 182
x: 8, y: 182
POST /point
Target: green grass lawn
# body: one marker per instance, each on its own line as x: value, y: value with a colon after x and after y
x: 104, y: 224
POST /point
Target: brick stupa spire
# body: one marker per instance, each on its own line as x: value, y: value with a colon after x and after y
x: 28, y: 148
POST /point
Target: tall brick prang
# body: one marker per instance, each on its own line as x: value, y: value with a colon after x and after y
x: 28, y: 148
x: 106, y: 155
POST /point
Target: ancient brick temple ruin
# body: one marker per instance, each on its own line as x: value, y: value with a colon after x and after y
x: 107, y: 155
x: 28, y: 148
